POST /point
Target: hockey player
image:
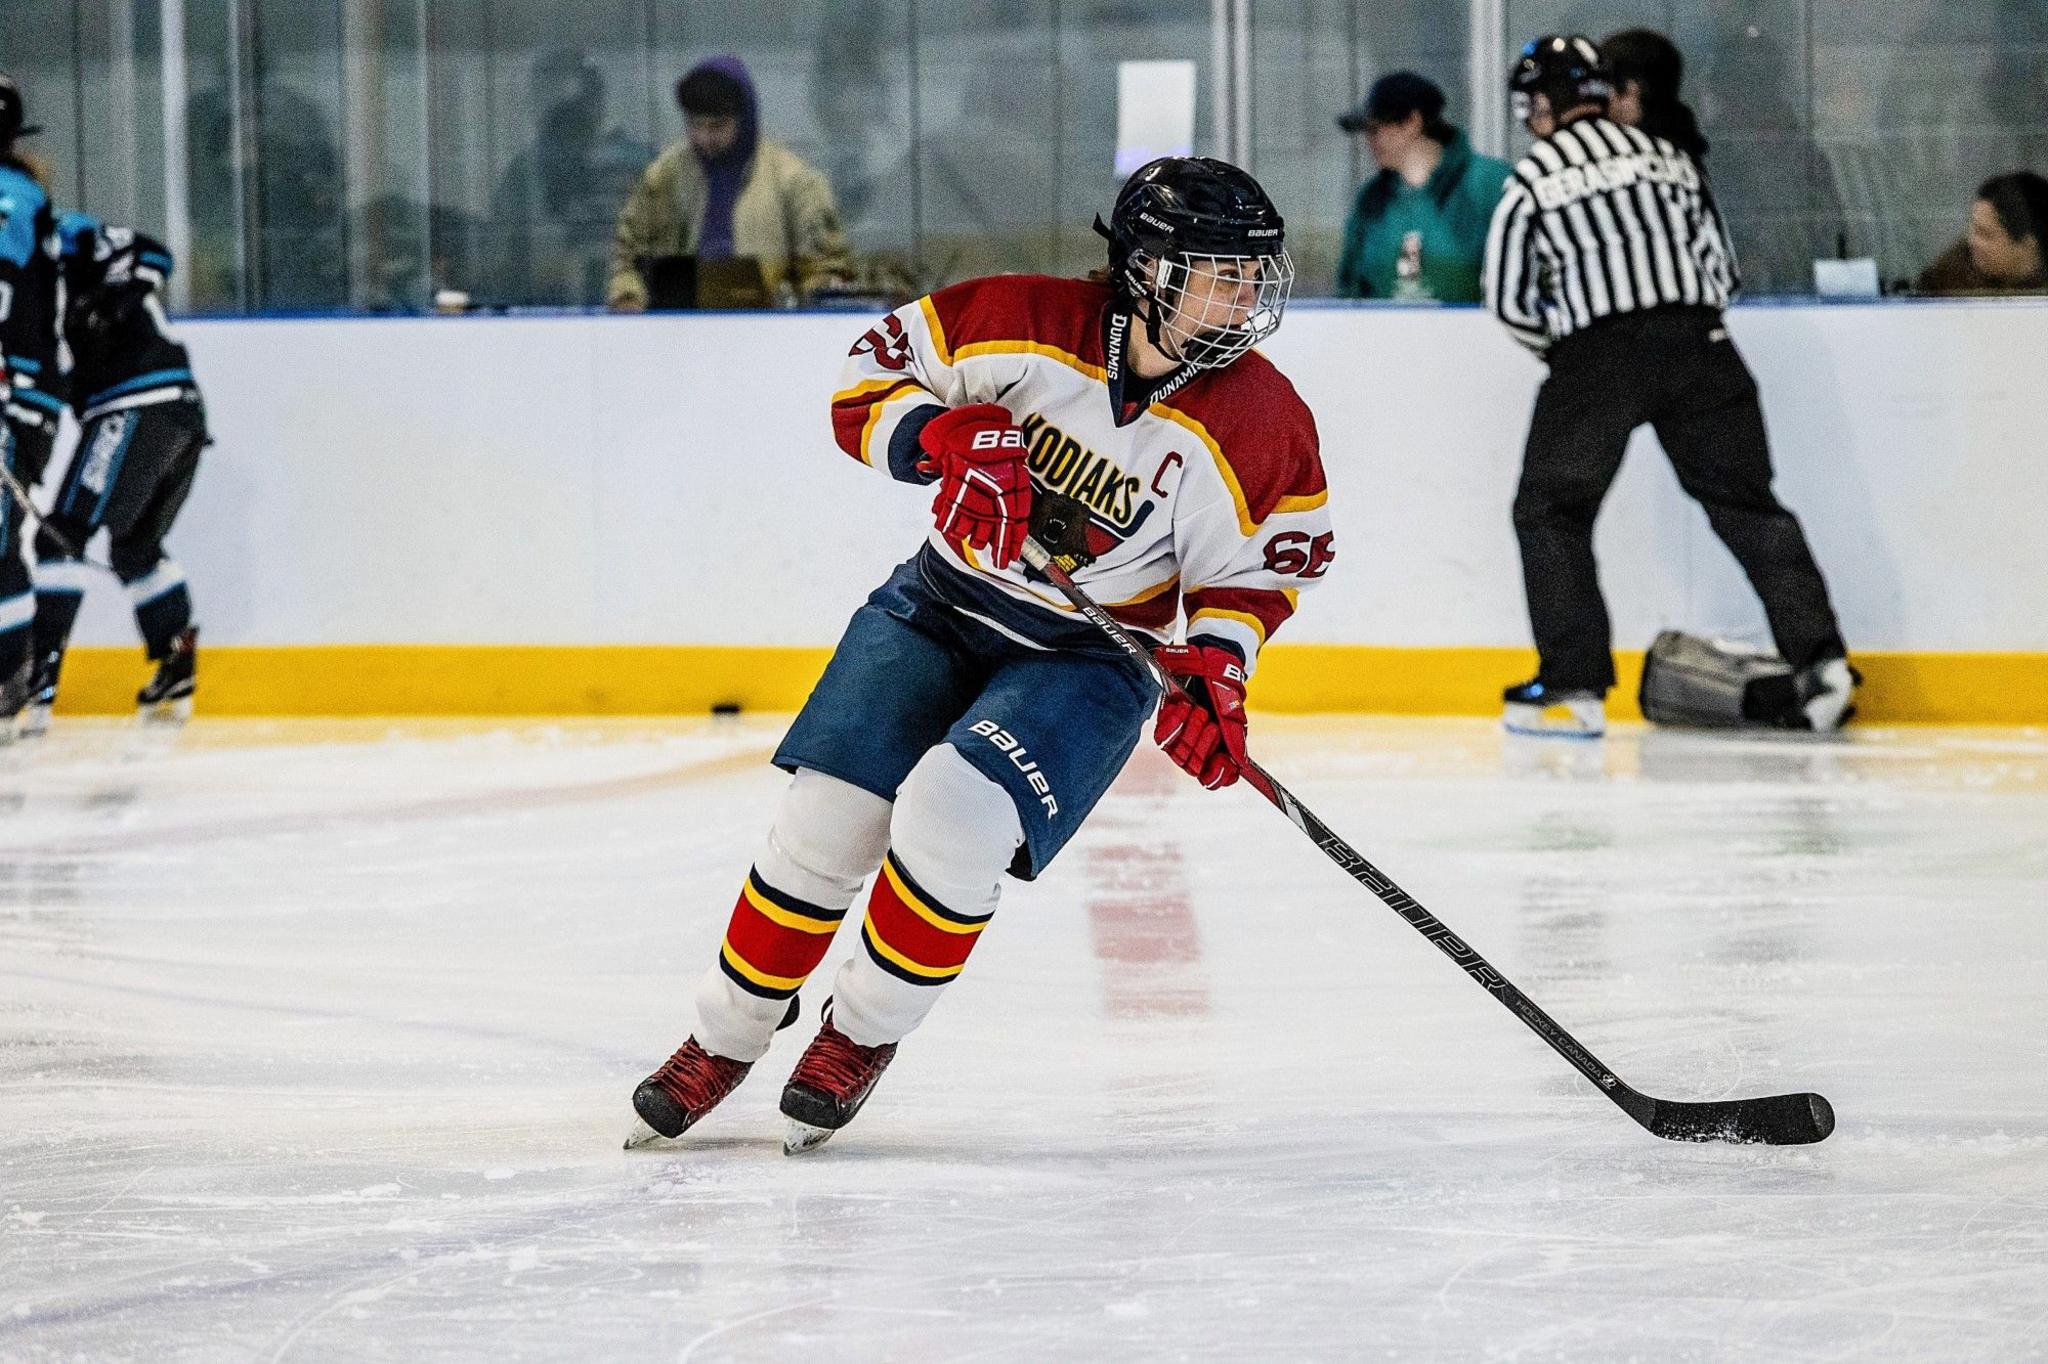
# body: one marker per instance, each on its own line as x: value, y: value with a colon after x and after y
x: 1609, y: 258
x: 34, y: 407
x: 28, y: 350
x: 143, y: 428
x: 969, y: 720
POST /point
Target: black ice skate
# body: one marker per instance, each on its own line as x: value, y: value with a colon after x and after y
x: 830, y: 1083
x: 689, y: 1084
x: 42, y: 694
x: 168, y: 697
x: 1533, y: 708
x: 1825, y: 690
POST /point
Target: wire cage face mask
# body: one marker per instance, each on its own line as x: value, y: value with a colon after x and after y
x: 1215, y: 308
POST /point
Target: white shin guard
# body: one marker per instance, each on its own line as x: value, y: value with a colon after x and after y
x: 828, y: 837
x: 953, y: 832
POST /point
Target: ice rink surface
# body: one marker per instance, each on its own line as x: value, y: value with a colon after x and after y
x: 316, y: 1041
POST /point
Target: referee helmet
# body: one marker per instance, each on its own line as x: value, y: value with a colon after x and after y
x: 1566, y: 70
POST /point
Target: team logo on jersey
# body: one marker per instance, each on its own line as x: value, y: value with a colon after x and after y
x: 1063, y: 465
x: 1020, y: 758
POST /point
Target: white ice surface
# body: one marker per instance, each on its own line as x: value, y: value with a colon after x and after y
x: 316, y: 1041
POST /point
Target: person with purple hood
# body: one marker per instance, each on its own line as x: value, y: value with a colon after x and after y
x: 727, y: 191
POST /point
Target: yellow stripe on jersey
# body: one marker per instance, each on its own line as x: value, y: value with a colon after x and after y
x: 937, y: 329
x: 1146, y: 595
x: 1244, y: 513
x: 973, y: 561
x: 1244, y: 618
x: 1301, y: 503
x: 913, y: 391
x: 865, y: 387
x: 1070, y: 360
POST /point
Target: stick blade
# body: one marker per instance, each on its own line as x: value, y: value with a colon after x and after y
x: 1776, y: 1120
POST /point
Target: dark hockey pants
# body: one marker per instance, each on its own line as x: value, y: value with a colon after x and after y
x: 1676, y: 369
x: 17, y: 599
x: 130, y: 474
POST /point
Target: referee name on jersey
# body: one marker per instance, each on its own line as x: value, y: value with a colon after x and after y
x: 1574, y: 183
x: 1599, y: 220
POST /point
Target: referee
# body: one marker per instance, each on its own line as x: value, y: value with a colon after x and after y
x: 1608, y: 257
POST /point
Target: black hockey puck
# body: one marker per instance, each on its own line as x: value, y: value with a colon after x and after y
x: 726, y: 708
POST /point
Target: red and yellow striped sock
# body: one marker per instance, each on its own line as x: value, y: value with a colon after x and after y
x: 913, y: 937
x: 774, y: 940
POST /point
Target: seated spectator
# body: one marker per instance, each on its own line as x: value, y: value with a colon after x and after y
x: 2003, y: 251
x: 1418, y: 228
x: 725, y: 192
x: 556, y: 206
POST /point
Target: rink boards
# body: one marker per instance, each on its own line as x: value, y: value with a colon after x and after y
x: 581, y: 514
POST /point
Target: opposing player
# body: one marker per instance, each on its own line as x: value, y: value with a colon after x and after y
x: 969, y: 720
x: 143, y: 428
x: 28, y: 353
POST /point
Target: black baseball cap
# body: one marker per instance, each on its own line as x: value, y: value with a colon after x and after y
x: 1392, y: 98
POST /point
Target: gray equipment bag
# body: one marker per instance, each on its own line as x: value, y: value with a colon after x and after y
x: 1706, y: 684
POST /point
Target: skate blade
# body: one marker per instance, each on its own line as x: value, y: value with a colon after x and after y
x: 169, y: 714
x: 642, y: 1135
x: 802, y: 1137
x: 35, y: 722
x: 1552, y: 722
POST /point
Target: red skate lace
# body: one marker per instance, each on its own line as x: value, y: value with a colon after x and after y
x: 696, y: 1079
x: 838, y: 1065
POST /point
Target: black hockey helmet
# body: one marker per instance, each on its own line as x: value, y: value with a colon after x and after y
x: 1194, y: 205
x: 1566, y: 70
x: 11, y: 113
x: 1178, y: 212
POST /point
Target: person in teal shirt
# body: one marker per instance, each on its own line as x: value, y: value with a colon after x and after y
x: 1417, y: 230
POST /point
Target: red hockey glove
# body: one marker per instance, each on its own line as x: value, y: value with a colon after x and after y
x: 1202, y: 727
x: 984, y: 500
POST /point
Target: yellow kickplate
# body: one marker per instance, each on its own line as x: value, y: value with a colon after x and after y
x: 407, y: 679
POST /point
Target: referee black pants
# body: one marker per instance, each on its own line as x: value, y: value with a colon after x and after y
x: 1676, y: 369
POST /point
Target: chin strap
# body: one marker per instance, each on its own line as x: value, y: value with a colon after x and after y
x: 1152, y: 330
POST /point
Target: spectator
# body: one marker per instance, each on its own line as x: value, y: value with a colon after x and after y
x: 2004, y: 250
x: 724, y: 192
x: 1418, y: 228
x: 1647, y: 72
x: 555, y: 207
x: 267, y: 202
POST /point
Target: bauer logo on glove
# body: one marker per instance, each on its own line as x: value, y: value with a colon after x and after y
x: 1201, y: 723
x: 976, y: 456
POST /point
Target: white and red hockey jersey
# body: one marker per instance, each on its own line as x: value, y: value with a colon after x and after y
x: 1209, y: 498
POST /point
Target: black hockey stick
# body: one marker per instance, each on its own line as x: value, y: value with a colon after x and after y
x: 1774, y: 1120
x: 15, y: 490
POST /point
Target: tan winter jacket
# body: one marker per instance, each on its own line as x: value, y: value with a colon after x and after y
x: 785, y: 217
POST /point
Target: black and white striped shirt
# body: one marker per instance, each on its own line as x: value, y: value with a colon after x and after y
x: 1599, y: 219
